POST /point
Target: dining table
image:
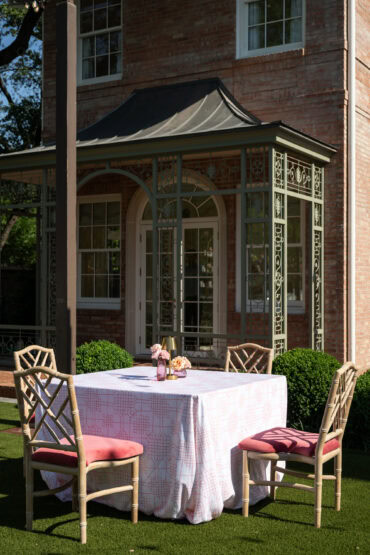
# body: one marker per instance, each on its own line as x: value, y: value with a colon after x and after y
x: 190, y: 429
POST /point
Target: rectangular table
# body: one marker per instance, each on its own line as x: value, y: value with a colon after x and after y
x: 190, y: 429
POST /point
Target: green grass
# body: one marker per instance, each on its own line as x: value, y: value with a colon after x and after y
x: 285, y: 526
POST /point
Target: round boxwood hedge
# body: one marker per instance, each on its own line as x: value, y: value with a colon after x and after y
x: 309, y: 374
x: 357, y: 434
x: 101, y: 355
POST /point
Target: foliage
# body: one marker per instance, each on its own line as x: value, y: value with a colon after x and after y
x: 357, y: 433
x: 309, y: 374
x: 20, y: 248
x: 20, y: 83
x: 101, y: 355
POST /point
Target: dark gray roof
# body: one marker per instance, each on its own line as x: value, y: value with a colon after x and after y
x: 196, y: 107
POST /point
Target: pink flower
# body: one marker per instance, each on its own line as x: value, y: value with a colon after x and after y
x: 156, y: 347
x: 161, y: 353
x: 180, y: 363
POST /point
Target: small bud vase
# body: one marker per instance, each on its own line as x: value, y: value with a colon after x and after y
x: 161, y: 370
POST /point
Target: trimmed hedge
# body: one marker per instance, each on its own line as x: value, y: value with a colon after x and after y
x: 101, y: 355
x: 309, y: 374
x: 357, y: 434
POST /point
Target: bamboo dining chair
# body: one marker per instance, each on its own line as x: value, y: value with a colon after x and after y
x: 250, y: 358
x: 67, y: 450
x: 287, y: 444
x: 29, y: 357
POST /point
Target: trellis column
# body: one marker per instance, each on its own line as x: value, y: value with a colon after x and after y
x: 317, y: 260
x: 278, y: 209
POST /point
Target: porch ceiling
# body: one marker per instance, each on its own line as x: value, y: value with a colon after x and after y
x: 182, y: 117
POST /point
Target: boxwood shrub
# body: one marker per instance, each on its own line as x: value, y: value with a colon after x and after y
x: 101, y: 355
x: 309, y: 374
x: 357, y: 434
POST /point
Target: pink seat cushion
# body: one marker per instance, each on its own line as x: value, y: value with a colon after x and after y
x: 286, y: 440
x: 97, y: 448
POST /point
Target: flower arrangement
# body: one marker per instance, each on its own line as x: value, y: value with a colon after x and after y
x: 158, y: 352
x: 180, y: 363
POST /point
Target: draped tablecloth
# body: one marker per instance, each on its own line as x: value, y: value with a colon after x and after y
x: 190, y: 429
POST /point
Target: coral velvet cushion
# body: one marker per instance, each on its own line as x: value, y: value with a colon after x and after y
x: 286, y: 440
x: 97, y: 448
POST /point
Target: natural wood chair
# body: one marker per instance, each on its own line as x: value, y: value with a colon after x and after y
x: 67, y: 451
x: 34, y: 355
x: 29, y: 357
x: 249, y: 357
x: 287, y: 444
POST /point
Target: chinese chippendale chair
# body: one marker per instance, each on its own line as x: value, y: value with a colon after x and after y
x: 287, y: 444
x: 67, y: 450
x: 29, y: 357
x: 250, y: 358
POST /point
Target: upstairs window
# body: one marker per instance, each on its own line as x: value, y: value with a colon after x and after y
x: 100, y: 40
x: 269, y: 26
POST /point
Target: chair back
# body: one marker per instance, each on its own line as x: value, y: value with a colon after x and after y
x: 42, y: 387
x: 34, y: 355
x: 250, y: 358
x: 338, y: 404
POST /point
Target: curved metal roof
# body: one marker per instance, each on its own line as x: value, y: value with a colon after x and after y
x: 201, y: 106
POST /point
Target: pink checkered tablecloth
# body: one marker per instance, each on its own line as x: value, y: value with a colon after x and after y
x: 190, y: 429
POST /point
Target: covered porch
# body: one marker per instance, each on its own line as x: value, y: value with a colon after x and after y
x: 195, y: 219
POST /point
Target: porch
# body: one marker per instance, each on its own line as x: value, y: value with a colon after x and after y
x: 195, y: 219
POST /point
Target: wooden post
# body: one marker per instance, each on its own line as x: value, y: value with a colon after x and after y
x: 66, y: 186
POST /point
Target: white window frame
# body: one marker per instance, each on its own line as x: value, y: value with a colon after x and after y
x: 103, y: 78
x: 242, y: 34
x: 294, y: 307
x: 106, y: 303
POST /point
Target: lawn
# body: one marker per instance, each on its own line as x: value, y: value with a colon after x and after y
x: 285, y: 526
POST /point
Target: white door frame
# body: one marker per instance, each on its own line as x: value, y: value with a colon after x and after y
x: 188, y: 223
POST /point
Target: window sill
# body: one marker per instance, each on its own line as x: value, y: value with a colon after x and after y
x: 260, y: 57
x: 103, y: 305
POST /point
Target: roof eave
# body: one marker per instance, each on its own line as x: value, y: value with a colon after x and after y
x: 276, y: 133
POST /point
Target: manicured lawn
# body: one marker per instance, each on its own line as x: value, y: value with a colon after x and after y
x: 282, y: 527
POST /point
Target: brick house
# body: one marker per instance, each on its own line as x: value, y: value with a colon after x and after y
x: 203, y: 133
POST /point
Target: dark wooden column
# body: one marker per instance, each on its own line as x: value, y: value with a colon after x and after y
x: 66, y: 186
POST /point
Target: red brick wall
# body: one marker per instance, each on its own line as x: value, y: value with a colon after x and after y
x: 98, y: 323
x: 167, y: 42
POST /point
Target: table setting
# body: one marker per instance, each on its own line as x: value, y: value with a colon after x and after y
x: 190, y: 429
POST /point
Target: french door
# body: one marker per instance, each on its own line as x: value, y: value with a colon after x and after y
x: 198, y: 275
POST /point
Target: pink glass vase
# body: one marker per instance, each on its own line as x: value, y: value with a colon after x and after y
x: 161, y: 370
x: 180, y: 373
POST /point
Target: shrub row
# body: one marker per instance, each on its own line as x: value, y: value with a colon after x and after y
x: 309, y: 374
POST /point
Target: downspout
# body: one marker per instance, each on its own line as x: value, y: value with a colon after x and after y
x: 351, y: 157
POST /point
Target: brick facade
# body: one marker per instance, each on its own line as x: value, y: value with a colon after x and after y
x: 168, y: 42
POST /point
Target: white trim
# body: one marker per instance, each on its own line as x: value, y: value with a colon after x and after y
x: 241, y: 34
x: 103, y: 78
x: 100, y: 303
x: 351, y: 149
x: 132, y: 254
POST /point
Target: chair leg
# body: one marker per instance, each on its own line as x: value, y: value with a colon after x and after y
x: 29, y: 493
x: 75, y: 494
x: 338, y: 479
x: 318, y: 493
x: 273, y: 479
x: 245, y: 484
x: 135, y: 491
x: 82, y: 504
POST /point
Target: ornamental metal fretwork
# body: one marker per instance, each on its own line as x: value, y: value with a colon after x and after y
x: 317, y: 282
x: 298, y: 178
x: 32, y: 193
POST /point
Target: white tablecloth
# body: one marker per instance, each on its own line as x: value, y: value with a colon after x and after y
x: 190, y: 429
